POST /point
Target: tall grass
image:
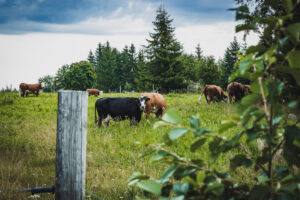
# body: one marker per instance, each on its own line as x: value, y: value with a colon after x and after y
x: 28, y: 139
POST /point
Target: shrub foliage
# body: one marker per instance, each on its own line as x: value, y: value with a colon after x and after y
x: 268, y: 119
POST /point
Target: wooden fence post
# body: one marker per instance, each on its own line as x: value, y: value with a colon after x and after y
x: 71, y: 145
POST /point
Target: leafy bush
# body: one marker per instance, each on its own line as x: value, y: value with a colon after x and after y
x: 268, y: 119
x: 80, y: 76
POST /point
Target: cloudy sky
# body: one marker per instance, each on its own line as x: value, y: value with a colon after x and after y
x: 39, y: 36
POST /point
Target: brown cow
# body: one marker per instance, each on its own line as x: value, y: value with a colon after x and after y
x: 25, y: 89
x: 237, y: 91
x: 213, y: 93
x: 94, y: 92
x: 156, y: 104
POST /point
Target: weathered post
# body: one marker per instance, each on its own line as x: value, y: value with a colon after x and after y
x: 71, y: 145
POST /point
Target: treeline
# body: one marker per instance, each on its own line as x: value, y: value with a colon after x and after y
x: 160, y: 65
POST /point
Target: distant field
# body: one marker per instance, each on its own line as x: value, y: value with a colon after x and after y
x: 28, y: 139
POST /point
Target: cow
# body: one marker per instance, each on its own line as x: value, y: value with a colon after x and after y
x: 237, y: 91
x: 119, y: 108
x: 156, y: 104
x: 213, y: 93
x: 94, y: 92
x: 25, y: 89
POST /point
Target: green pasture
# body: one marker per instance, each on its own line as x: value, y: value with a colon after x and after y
x: 28, y: 142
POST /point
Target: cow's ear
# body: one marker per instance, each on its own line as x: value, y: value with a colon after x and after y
x: 147, y: 99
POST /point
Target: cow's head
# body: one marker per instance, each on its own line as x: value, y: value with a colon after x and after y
x: 142, y: 102
x: 224, y: 97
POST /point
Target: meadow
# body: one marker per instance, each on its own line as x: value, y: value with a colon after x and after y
x: 28, y: 142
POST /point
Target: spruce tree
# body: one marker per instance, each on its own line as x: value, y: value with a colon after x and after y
x: 91, y: 59
x: 209, y: 72
x: 108, y: 78
x: 133, y: 66
x: 230, y: 58
x: 143, y: 83
x: 199, y: 52
x: 166, y: 71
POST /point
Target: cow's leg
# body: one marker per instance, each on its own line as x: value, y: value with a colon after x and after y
x: 208, y: 99
x: 147, y: 113
x: 158, y: 113
x: 100, y: 120
x: 135, y: 120
x: 106, y: 120
x: 163, y: 110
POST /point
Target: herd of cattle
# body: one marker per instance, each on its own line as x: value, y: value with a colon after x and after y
x: 235, y: 91
x: 121, y: 108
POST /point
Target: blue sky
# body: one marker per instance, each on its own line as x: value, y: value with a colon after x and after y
x: 26, y: 16
x: 39, y: 36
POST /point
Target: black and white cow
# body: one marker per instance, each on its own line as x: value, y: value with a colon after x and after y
x: 119, y: 108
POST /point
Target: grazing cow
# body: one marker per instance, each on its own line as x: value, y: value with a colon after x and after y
x: 156, y: 104
x: 237, y: 91
x: 213, y: 93
x: 94, y: 92
x: 118, y: 109
x: 25, y: 89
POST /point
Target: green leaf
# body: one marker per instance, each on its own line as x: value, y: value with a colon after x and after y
x: 201, y: 131
x: 150, y: 186
x: 281, y: 171
x: 288, y: 5
x: 240, y: 160
x: 137, y: 175
x: 168, y: 173
x: 200, y: 177
x: 251, y: 99
x: 177, y: 133
x: 194, y: 122
x: 196, y: 145
x: 294, y: 31
x: 216, y: 188
x: 225, y: 125
x: 181, y: 197
x: 244, y: 65
x: 262, y: 178
x: 181, y: 188
x: 188, y: 172
x: 276, y: 120
x: 275, y: 89
x: 160, y: 155
x: 293, y: 104
x: 172, y: 116
x: 294, y: 59
x: 159, y: 124
x: 198, y: 162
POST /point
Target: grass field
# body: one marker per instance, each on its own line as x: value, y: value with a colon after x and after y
x: 28, y: 139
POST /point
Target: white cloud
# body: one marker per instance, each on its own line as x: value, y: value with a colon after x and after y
x: 117, y: 13
x: 25, y: 58
x: 130, y: 4
x: 213, y: 38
